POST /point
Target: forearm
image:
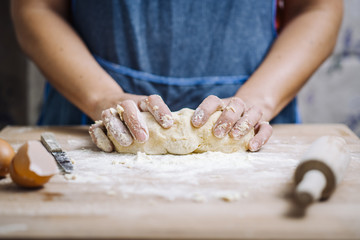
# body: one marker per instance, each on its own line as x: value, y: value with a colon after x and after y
x: 50, y: 41
x: 305, y: 42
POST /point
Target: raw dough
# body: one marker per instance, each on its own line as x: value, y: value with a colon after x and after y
x: 183, y: 138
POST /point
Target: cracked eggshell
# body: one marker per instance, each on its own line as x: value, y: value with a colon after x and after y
x: 6, y: 155
x: 33, y: 165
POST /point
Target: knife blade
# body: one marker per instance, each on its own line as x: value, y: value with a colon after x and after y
x: 51, y: 144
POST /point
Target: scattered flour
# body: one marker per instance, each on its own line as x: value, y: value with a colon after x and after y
x: 199, y: 198
x: 196, y: 177
x: 70, y: 176
x: 229, y: 196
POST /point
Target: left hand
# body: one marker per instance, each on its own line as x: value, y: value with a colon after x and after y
x: 236, y: 120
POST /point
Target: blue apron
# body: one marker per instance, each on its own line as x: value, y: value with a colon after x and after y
x: 180, y: 50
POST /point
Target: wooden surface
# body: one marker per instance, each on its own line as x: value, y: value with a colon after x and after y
x: 127, y: 196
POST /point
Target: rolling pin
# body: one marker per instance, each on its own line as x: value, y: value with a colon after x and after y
x: 321, y: 168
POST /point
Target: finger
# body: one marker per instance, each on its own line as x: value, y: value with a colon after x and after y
x: 263, y: 132
x: 208, y: 106
x: 134, y: 121
x: 116, y: 127
x: 246, y: 122
x: 157, y: 107
x: 230, y: 115
x: 98, y: 136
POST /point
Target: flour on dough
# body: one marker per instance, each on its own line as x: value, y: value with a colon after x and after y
x: 183, y: 138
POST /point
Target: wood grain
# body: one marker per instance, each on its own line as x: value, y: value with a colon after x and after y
x: 80, y: 209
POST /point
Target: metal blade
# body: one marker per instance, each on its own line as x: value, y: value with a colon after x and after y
x: 49, y: 141
x: 64, y: 161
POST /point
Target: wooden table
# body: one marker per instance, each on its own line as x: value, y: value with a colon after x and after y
x: 217, y: 196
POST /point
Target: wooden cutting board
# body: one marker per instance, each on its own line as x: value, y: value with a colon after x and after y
x: 210, y: 195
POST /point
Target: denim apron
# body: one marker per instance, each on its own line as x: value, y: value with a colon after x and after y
x: 181, y: 50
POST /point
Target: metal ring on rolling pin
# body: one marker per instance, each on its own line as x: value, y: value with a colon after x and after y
x: 317, y: 165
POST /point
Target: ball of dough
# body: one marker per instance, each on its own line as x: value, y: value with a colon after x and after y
x: 183, y: 138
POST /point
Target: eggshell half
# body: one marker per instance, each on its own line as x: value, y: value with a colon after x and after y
x: 33, y: 165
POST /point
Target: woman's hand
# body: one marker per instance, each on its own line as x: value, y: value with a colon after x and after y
x: 125, y: 123
x: 236, y: 120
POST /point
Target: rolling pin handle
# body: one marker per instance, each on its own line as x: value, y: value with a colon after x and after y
x: 311, y: 187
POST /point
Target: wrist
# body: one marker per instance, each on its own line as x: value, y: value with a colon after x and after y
x: 104, y: 100
x: 266, y: 105
x: 110, y: 99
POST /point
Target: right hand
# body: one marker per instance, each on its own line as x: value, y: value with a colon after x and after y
x: 126, y: 124
x: 236, y: 120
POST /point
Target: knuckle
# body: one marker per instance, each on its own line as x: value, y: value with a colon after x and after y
x: 97, y: 124
x: 256, y: 110
x: 105, y: 113
x: 212, y: 98
x: 266, y: 130
x: 237, y: 105
x: 231, y: 117
x: 127, y: 103
x: 129, y: 108
x: 154, y: 97
x: 143, y: 104
x: 270, y: 129
x: 237, y: 101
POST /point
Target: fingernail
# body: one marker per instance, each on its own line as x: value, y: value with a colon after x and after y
x: 142, y: 136
x: 254, y: 146
x: 167, y: 121
x: 243, y: 127
x: 123, y: 138
x: 219, y: 131
x: 197, y: 117
x: 235, y: 133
